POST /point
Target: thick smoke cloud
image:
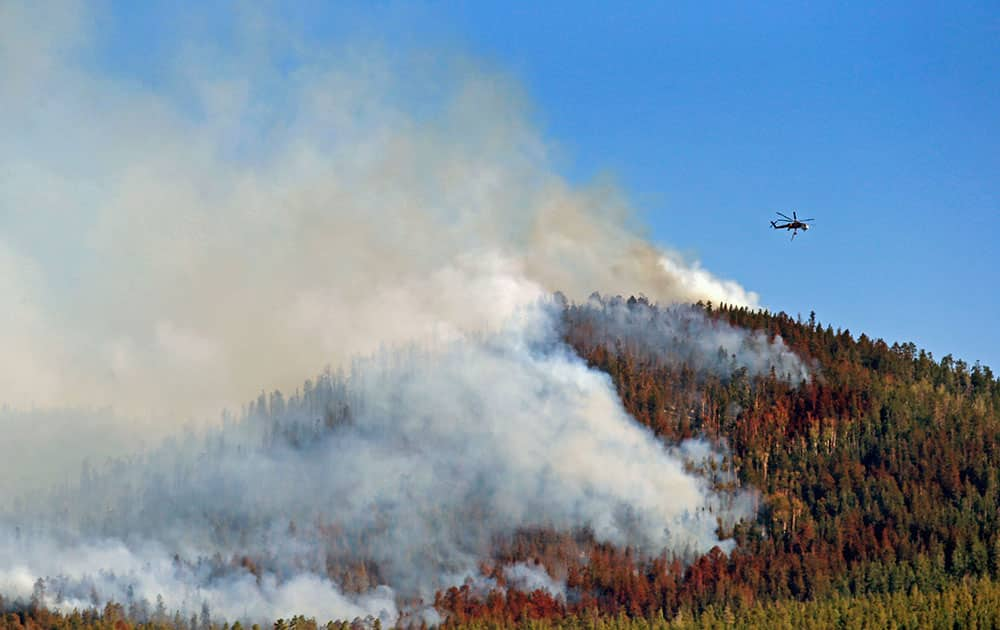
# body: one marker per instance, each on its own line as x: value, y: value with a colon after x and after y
x: 170, y: 248
x: 417, y: 463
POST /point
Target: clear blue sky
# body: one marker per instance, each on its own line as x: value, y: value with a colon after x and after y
x: 882, y: 122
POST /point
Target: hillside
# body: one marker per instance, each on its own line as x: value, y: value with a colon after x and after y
x: 878, y: 476
x: 870, y: 484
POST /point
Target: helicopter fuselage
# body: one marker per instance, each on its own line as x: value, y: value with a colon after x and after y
x: 791, y: 225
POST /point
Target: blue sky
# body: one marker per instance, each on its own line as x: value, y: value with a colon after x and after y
x: 882, y: 123
x: 879, y: 121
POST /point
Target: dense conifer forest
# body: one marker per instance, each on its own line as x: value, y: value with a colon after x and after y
x: 874, y: 487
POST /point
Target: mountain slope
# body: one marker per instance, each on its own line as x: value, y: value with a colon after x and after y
x: 835, y: 467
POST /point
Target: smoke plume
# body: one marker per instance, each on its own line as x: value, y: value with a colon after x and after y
x: 169, y: 248
x: 414, y: 465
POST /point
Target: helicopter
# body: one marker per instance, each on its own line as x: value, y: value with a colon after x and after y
x: 793, y: 223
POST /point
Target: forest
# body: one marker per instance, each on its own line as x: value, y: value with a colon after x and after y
x: 873, y: 483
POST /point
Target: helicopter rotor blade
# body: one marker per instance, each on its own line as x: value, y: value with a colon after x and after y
x: 795, y: 215
x: 784, y: 216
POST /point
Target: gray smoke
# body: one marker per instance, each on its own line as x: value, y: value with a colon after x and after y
x: 48, y: 445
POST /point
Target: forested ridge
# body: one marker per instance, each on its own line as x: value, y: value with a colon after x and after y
x: 874, y: 484
x: 877, y: 476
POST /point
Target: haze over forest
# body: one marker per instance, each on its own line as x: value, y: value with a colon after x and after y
x: 323, y: 331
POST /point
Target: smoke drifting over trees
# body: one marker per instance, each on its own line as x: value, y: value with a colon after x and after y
x: 413, y: 465
x: 681, y: 335
x: 167, y: 252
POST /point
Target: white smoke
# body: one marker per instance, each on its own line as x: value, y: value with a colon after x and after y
x: 169, y: 250
x: 682, y: 334
x: 85, y: 574
x: 439, y: 454
x: 532, y: 577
